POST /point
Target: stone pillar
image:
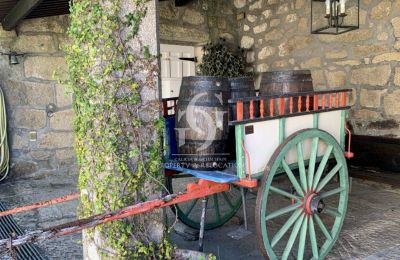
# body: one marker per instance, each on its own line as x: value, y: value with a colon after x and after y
x: 147, y: 227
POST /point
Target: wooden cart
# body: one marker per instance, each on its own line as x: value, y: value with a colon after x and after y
x: 294, y: 155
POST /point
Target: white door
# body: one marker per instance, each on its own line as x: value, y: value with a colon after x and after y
x: 173, y: 69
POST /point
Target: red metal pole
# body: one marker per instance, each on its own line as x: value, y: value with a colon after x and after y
x: 203, y: 189
x: 41, y: 204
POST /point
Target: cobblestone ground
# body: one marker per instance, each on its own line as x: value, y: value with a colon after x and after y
x: 22, y: 191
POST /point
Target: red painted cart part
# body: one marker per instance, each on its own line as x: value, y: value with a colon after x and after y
x: 247, y: 183
x: 248, y: 160
x: 239, y: 111
x: 203, y: 189
x: 308, y: 203
x: 348, y: 154
x: 41, y: 204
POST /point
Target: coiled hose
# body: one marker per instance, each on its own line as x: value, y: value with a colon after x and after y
x: 4, y: 152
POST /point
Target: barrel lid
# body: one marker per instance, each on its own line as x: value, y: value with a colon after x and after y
x: 286, y: 75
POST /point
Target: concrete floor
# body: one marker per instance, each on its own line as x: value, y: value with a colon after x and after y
x: 371, y: 229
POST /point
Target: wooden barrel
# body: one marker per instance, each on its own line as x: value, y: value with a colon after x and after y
x: 202, y: 123
x: 241, y: 87
x: 284, y: 82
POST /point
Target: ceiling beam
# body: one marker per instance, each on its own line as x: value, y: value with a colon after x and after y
x: 18, y: 13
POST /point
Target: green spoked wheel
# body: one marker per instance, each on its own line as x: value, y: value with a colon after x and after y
x: 221, y: 207
x: 299, y: 214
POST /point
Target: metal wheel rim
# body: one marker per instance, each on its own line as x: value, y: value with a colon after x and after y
x: 303, y: 224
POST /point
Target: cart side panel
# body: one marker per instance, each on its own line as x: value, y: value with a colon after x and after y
x: 262, y: 142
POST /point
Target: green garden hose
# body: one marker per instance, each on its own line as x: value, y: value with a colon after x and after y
x: 4, y: 152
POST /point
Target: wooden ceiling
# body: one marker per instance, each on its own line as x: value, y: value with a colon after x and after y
x: 13, y: 11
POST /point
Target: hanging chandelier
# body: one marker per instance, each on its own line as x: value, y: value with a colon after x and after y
x: 334, y: 16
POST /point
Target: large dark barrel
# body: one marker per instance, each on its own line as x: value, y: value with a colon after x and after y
x: 202, y: 122
x: 241, y: 87
x: 283, y: 82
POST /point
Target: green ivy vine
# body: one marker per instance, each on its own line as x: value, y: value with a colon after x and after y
x: 116, y: 166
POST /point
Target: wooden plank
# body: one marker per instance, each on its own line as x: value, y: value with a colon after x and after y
x: 21, y: 10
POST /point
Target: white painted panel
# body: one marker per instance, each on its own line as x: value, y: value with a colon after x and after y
x: 262, y: 144
x: 265, y: 139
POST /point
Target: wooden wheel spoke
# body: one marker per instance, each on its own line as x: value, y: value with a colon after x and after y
x: 332, y: 212
x: 227, y: 200
x: 302, y: 240
x: 292, y: 237
x: 313, y: 158
x: 191, y: 206
x: 292, y: 178
x: 313, y: 238
x: 323, y: 227
x: 322, y: 165
x: 285, y: 227
x: 331, y: 192
x: 328, y: 177
x: 302, y: 168
x: 283, y: 211
x: 284, y: 193
x: 216, y: 205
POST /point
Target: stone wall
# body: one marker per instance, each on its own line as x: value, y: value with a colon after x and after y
x: 277, y: 34
x: 38, y: 141
x: 198, y: 22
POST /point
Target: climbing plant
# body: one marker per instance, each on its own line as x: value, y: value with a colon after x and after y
x: 113, y: 76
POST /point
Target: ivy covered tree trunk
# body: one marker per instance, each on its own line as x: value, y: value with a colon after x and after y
x: 113, y: 72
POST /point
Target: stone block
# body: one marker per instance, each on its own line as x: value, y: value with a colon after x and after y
x: 266, y: 52
x: 267, y: 14
x: 35, y: 44
x: 47, y: 68
x: 23, y: 167
x: 53, y: 140
x: 311, y: 63
x: 302, y: 25
x: 56, y: 24
x: 19, y: 140
x: 381, y: 10
x: 336, y: 54
x: 168, y: 11
x: 353, y: 36
x: 62, y: 120
x: 367, y: 50
x: 251, y: 18
x: 29, y: 118
x: 28, y: 93
x: 63, y: 96
x: 282, y: 9
x: 392, y: 104
x: 318, y: 78
x: 372, y: 75
x: 348, y: 63
x: 262, y: 67
x: 179, y: 33
x: 383, y: 36
x: 274, y: 22
x: 397, y: 76
x: 300, y: 4
x: 291, y: 18
x: 193, y: 17
x: 256, y: 5
x: 247, y: 42
x: 239, y: 3
x: 371, y: 98
x: 391, y: 56
x: 280, y: 64
x: 260, y: 28
x: 41, y: 155
x: 336, y: 79
x: 7, y: 34
x: 294, y: 43
x: 65, y: 154
x: 274, y: 35
x: 364, y: 114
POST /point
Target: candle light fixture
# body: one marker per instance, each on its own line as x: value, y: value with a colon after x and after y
x: 334, y: 16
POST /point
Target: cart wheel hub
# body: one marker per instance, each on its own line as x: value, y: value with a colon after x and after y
x: 314, y: 204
